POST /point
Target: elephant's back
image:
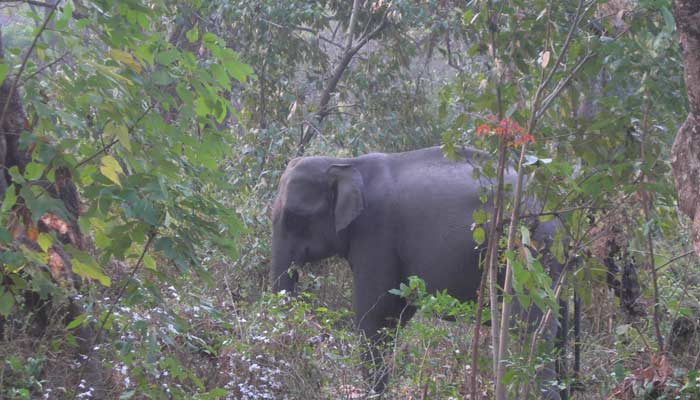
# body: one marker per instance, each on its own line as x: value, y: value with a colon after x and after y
x: 433, y: 202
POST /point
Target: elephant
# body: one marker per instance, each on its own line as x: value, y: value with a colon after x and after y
x: 391, y: 216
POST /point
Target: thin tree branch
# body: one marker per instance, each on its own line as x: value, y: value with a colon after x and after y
x: 450, y: 61
x: 303, y: 29
x: 649, y: 243
x: 507, y: 286
x: 569, y: 36
x: 351, y: 26
x: 674, y: 259
x: 562, y: 85
x: 322, y: 113
x: 497, y: 213
x: 44, y: 68
x: 115, y: 140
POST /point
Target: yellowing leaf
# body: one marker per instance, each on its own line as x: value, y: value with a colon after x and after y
x: 121, y: 132
x: 125, y: 58
x: 110, y: 72
x: 111, y: 169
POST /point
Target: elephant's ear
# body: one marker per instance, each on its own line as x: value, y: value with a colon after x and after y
x: 349, y: 194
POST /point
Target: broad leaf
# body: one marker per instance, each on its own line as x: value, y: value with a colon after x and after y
x: 86, y: 266
x: 111, y: 169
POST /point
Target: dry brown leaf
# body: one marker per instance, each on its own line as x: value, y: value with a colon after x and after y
x: 55, y: 264
x: 54, y: 223
x: 32, y: 233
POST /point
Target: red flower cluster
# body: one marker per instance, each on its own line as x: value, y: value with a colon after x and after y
x: 509, y: 130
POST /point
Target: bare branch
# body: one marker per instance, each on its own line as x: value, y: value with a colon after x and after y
x: 561, y: 85
x: 109, y: 145
x: 674, y: 259
x: 323, y: 109
x: 450, y: 61
x: 44, y: 67
x: 351, y: 25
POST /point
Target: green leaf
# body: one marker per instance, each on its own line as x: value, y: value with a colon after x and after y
x: 86, y: 266
x: 33, y: 171
x: 479, y: 235
x: 7, y: 301
x: 45, y: 241
x: 3, y: 73
x: 467, y: 17
x: 111, y: 169
x: 149, y: 262
x: 479, y: 216
x: 125, y: 58
x: 668, y: 19
x: 16, y: 175
x: 193, y: 34
x: 5, y: 236
x: 121, y: 132
x: 240, y: 71
x: 9, y: 200
x: 76, y: 322
x: 167, y: 57
x: 201, y: 107
x: 221, y: 76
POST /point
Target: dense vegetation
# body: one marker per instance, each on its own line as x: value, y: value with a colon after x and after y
x: 142, y: 141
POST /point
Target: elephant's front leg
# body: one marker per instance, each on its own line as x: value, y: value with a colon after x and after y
x: 377, y: 313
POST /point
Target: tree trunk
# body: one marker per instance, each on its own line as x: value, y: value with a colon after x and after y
x: 685, y: 154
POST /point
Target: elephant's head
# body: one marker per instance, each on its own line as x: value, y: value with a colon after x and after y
x: 317, y: 199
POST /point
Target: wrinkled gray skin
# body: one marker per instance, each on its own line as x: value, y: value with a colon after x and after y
x: 391, y: 216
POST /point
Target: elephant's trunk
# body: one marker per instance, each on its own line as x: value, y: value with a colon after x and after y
x: 280, y: 276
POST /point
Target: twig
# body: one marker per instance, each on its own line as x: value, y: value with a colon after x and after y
x: 351, y: 26
x: 532, y: 123
x: 675, y: 258
x: 497, y: 213
x: 562, y: 85
x: 303, y: 29
x: 44, y: 67
x: 15, y: 83
x: 477, y: 334
x: 323, y: 111
x: 649, y: 243
x: 115, y: 140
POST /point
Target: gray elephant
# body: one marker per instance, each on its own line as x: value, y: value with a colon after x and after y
x: 391, y: 216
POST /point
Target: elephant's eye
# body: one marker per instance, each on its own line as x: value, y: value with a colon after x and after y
x: 295, y: 222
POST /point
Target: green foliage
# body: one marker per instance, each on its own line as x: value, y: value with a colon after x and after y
x: 176, y: 119
x: 440, y: 304
x: 23, y: 376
